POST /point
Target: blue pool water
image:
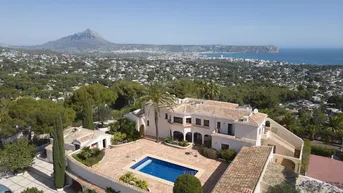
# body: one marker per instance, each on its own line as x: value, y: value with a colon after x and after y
x: 4, y: 189
x: 162, y: 169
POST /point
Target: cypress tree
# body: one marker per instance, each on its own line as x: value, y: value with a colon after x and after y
x: 87, y: 115
x: 58, y: 153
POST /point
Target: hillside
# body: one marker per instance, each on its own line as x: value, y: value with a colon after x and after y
x: 90, y: 41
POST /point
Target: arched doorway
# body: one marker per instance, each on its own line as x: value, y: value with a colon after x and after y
x: 267, y: 124
x: 197, y: 138
x: 189, y: 137
x: 141, y: 130
x: 288, y: 164
x: 208, y: 141
x: 177, y: 135
x: 76, y: 186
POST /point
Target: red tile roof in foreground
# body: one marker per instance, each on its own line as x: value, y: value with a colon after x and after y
x: 245, y: 171
x: 326, y: 169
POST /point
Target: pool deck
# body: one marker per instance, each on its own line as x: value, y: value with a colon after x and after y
x: 117, y: 161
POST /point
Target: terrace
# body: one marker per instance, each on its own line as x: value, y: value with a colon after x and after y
x: 117, y: 161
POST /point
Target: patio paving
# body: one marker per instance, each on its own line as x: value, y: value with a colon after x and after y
x: 39, y: 176
x: 119, y: 157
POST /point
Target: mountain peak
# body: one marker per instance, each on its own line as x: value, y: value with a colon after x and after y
x: 87, y: 34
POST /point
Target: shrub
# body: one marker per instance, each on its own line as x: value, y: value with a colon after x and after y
x: 322, y: 151
x: 168, y: 139
x: 187, y: 183
x: 118, y: 137
x: 228, y: 154
x: 32, y: 190
x: 142, y: 184
x: 183, y: 143
x: 209, y: 152
x: 110, y: 190
x: 129, y: 128
x: 306, y: 156
x: 129, y: 178
x: 282, y: 188
x: 89, y: 157
x: 88, y: 191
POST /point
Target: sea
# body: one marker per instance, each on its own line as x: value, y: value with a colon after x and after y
x: 295, y: 56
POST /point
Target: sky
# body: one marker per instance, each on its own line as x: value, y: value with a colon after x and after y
x: 284, y: 23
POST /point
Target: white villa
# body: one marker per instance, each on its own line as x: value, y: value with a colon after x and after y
x: 262, y: 145
x: 222, y: 125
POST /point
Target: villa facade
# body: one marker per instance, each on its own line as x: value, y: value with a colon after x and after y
x: 222, y: 125
x: 76, y: 138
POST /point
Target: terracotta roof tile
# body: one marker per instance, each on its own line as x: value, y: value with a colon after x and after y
x: 221, y: 104
x: 245, y: 171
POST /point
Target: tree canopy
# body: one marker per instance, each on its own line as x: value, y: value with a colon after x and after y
x: 17, y: 156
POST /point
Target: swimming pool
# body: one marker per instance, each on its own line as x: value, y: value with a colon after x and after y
x: 4, y: 189
x: 162, y: 169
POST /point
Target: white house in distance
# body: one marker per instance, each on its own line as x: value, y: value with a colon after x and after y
x: 222, y: 125
x: 77, y: 137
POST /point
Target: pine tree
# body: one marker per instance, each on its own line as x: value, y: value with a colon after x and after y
x: 59, y: 154
x: 87, y: 115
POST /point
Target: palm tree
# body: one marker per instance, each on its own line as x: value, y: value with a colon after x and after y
x: 334, y: 125
x: 213, y: 90
x: 156, y: 98
x: 291, y: 123
x: 208, y: 89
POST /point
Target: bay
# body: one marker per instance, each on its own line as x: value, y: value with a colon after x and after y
x: 296, y: 56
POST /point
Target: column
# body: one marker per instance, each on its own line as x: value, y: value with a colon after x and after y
x: 184, y: 136
x: 193, y: 138
x: 202, y: 139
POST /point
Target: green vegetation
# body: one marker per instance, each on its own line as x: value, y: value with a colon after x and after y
x: 32, y: 190
x: 170, y: 140
x: 87, y: 115
x: 129, y: 178
x: 306, y: 156
x: 111, y: 190
x: 87, y: 191
x: 228, y: 154
x: 187, y: 183
x: 59, y: 160
x: 89, y: 157
x: 283, y: 188
x: 30, y: 115
x: 17, y: 156
x: 96, y: 94
x: 124, y: 130
x: 102, y: 113
x: 118, y: 137
x: 322, y: 151
x: 157, y: 97
x: 209, y: 152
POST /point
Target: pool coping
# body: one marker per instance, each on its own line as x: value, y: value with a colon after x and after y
x: 128, y: 168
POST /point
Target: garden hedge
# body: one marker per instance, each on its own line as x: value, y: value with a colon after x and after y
x: 187, y: 183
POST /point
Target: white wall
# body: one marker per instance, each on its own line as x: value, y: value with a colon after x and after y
x: 245, y: 131
x: 49, y: 156
x: 233, y: 144
x: 163, y: 125
x: 99, y: 179
x: 280, y: 149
